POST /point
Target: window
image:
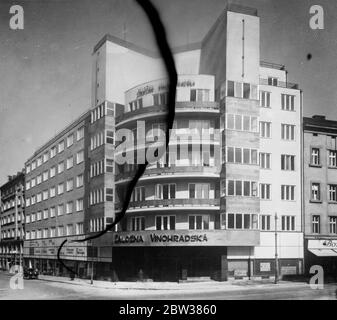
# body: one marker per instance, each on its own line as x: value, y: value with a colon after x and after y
x: 110, y: 137
x: 199, y: 95
x: 109, y: 165
x: 287, y: 162
x: 45, y: 195
x: 70, y: 162
x: 272, y: 81
x: 332, y: 192
x: 60, y: 188
x: 287, y: 132
x: 79, y: 181
x: 60, y: 210
x: 39, y: 161
x: 109, y: 194
x: 265, y: 191
x: 165, y: 222
x: 165, y: 191
x: 138, y: 194
x: 45, y: 157
x: 70, y: 140
x: 52, y: 212
x: 288, y: 102
x: 265, y: 162
x: 135, y: 105
x: 39, y: 179
x: 79, y: 205
x: 332, y: 156
x: 52, y: 232
x: 33, y: 165
x: 198, y: 222
x: 60, y: 146
x: 264, y: 99
x: 28, y: 169
x: 45, y: 233
x: 45, y: 175
x: 160, y: 99
x: 287, y: 192
x: 39, y: 216
x: 199, y: 190
x: 315, y: 192
x: 265, y: 222
x: 265, y: 129
x: 45, y: 214
x: 39, y: 197
x: 70, y: 185
x: 79, y: 228
x: 242, y: 221
x: 60, y: 231
x: 230, y: 88
x: 238, y: 155
x: 52, y: 192
x: 69, y: 207
x: 80, y: 157
x: 52, y: 152
x: 137, y: 223
x: 52, y: 172
x: 315, y: 224
x: 288, y: 223
x: 241, y: 188
x: 332, y: 225
x: 60, y: 167
x: 80, y: 133
x: 315, y: 156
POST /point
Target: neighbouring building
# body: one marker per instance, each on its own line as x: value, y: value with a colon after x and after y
x: 12, y: 213
x: 320, y: 193
x: 69, y: 193
x: 206, y: 209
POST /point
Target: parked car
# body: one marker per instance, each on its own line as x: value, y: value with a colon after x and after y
x: 30, y: 273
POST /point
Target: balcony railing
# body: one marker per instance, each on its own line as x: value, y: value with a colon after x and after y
x: 200, y: 106
x: 169, y: 203
x: 155, y: 172
x: 280, y: 84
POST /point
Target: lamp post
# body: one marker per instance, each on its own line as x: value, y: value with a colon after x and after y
x: 276, y: 255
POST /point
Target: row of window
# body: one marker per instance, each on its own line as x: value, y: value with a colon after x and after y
x: 7, y: 234
x: 101, y: 111
x: 97, y: 196
x: 316, y: 192
x: 237, y: 221
x: 51, y: 173
x: 287, y: 101
x: 51, y: 193
x: 316, y: 224
x: 55, y: 149
x: 51, y: 212
x: 161, y: 99
x: 52, y: 232
x: 8, y: 204
x: 315, y: 158
x: 249, y: 189
x: 9, y: 219
x: 97, y: 168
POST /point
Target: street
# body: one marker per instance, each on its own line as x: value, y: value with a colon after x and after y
x: 50, y: 290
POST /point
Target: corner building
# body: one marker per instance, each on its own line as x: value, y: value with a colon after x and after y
x: 212, y: 218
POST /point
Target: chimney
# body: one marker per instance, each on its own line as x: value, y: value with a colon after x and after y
x: 318, y: 117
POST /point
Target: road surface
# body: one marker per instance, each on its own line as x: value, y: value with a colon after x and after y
x: 47, y: 290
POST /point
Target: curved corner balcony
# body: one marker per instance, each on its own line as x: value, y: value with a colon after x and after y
x: 171, y: 172
x: 208, y: 108
x: 172, y: 204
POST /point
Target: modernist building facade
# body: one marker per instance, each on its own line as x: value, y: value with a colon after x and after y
x: 206, y: 208
x: 12, y: 224
x: 209, y: 214
x: 320, y: 187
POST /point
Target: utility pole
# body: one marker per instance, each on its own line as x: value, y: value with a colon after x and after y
x: 92, y: 272
x: 276, y: 255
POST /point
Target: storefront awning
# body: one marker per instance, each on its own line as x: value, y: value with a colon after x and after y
x: 324, y: 252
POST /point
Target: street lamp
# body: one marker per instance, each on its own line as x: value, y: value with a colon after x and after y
x: 276, y: 255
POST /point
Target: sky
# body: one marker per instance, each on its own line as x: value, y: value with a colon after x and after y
x: 45, y: 69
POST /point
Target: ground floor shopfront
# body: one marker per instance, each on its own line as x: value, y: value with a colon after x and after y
x: 321, y: 252
x: 11, y: 254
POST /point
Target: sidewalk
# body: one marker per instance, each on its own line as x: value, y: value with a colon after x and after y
x: 204, y: 286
